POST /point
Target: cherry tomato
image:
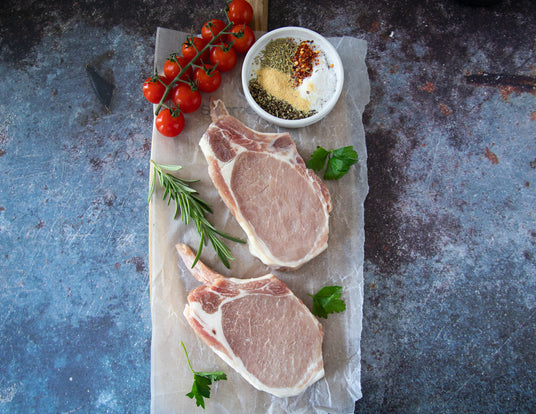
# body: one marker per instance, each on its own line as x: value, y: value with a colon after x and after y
x: 242, y: 45
x: 186, y: 98
x: 173, y: 66
x: 224, y: 57
x: 153, y: 89
x: 207, y: 79
x: 194, y: 45
x: 240, y: 12
x: 212, y: 27
x: 169, y: 125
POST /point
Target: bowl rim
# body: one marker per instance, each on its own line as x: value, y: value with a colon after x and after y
x: 298, y: 32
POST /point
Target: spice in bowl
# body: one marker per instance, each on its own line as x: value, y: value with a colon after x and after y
x: 293, y: 79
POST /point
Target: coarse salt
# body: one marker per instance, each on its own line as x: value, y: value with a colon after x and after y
x: 318, y: 88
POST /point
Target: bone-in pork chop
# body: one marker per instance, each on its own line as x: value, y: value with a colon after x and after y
x: 258, y: 327
x: 281, y: 205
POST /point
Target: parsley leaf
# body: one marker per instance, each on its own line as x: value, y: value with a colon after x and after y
x: 338, y: 160
x: 318, y: 159
x: 200, y: 389
x: 202, y: 382
x: 327, y: 300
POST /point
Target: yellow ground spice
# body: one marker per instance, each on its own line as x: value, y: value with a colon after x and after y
x: 279, y: 85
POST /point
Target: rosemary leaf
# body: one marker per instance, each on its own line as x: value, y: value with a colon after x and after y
x: 151, y: 190
x: 168, y: 167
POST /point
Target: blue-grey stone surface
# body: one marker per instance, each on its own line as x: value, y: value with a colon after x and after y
x: 450, y: 273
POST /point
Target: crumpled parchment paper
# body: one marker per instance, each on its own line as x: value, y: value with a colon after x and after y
x: 341, y: 264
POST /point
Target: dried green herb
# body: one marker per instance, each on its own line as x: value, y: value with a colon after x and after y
x: 274, y: 106
x: 278, y: 54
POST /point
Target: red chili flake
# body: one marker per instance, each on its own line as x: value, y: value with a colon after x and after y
x: 303, y: 62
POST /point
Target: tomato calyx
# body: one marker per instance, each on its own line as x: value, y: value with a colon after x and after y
x: 208, y: 78
x: 176, y: 58
x: 156, y: 78
x: 241, y: 32
x: 175, y: 111
x: 225, y: 46
x: 173, y: 57
x: 190, y: 41
x: 242, y: 37
x: 210, y: 70
x: 192, y: 84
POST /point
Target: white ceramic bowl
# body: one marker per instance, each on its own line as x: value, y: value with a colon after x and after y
x: 251, y: 65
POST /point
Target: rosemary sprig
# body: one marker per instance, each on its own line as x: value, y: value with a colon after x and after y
x: 190, y: 206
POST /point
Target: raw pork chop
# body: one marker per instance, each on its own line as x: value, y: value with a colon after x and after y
x: 281, y: 205
x: 258, y: 327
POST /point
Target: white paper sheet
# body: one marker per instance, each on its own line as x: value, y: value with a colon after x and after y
x: 341, y: 264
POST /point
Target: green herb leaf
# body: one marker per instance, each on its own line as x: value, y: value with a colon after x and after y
x: 339, y: 161
x: 347, y: 154
x: 202, y: 382
x: 318, y: 159
x: 335, y: 169
x: 214, y: 375
x: 327, y: 300
x: 189, y: 206
x: 200, y: 390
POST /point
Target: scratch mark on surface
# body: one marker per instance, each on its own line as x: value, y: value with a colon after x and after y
x: 516, y: 82
x: 434, y: 162
x: 492, y: 356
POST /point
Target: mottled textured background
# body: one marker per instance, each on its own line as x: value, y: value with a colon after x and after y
x: 450, y: 274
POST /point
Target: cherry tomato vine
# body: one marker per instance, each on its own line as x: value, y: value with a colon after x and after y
x: 197, y: 67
